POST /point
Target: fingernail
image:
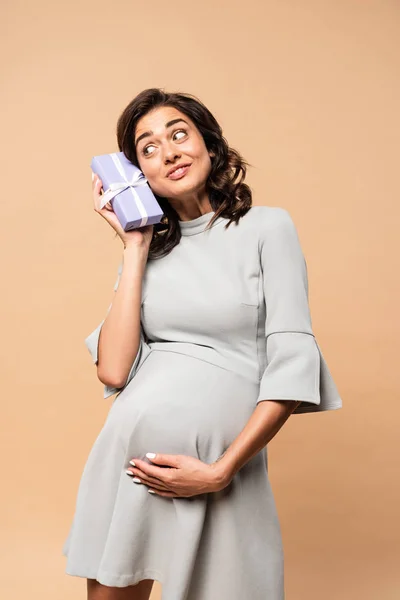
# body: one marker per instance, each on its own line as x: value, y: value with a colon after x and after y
x: 151, y: 491
x: 136, y: 480
x: 150, y: 455
x: 131, y: 462
x: 128, y: 472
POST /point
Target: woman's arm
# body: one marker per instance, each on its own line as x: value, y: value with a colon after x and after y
x: 119, y: 338
x: 292, y: 372
x: 263, y: 425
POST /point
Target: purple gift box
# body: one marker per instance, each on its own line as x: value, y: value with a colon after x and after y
x: 125, y: 186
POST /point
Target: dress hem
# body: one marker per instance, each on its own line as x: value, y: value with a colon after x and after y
x: 114, y: 580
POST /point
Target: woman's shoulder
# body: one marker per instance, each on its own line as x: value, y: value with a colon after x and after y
x: 262, y: 211
x: 265, y: 219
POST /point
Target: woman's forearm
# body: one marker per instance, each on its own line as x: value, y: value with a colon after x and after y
x: 264, y: 423
x: 120, y: 334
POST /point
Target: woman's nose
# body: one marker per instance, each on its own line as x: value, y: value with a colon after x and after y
x: 170, y: 154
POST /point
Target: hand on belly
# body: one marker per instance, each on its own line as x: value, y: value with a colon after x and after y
x: 186, y: 476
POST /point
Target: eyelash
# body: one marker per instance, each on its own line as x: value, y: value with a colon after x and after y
x: 177, y: 131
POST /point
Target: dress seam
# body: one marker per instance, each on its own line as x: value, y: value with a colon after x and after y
x: 317, y: 377
x: 137, y: 576
x: 140, y: 572
x: 206, y: 361
x: 297, y: 398
x: 260, y: 366
x: 328, y: 406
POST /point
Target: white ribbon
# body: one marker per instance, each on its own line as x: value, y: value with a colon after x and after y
x: 120, y: 186
x: 115, y: 188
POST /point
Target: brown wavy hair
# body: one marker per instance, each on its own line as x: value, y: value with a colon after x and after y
x: 229, y: 196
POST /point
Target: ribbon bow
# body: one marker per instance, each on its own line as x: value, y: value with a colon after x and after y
x: 119, y: 186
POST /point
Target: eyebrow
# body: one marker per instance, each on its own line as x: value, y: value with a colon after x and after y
x: 167, y: 124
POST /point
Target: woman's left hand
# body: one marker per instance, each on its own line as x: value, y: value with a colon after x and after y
x: 186, y: 476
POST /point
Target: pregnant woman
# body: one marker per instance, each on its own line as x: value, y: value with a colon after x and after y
x: 209, y: 345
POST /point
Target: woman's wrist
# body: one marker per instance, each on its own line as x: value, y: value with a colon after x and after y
x: 223, y: 471
x: 136, y: 253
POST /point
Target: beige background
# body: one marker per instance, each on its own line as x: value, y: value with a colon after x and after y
x: 309, y: 92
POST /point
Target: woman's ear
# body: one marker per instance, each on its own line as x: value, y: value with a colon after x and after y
x: 211, y: 153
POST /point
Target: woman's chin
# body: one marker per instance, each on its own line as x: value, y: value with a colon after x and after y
x: 182, y: 190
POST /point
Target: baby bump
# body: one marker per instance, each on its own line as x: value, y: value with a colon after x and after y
x: 177, y: 404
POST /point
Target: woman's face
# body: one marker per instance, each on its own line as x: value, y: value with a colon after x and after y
x: 164, y: 139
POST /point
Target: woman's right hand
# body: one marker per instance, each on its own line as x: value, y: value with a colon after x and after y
x: 136, y: 237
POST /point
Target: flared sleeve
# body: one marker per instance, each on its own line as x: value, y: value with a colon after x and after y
x: 92, y: 344
x: 295, y: 368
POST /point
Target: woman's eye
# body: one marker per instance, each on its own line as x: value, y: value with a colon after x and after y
x: 144, y: 151
x: 146, y: 148
x: 180, y: 131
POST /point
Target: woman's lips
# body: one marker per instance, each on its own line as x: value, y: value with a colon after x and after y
x: 179, y: 173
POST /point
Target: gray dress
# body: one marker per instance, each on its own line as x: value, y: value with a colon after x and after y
x: 225, y: 324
